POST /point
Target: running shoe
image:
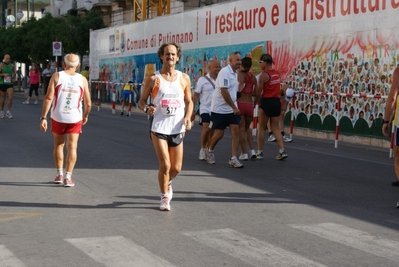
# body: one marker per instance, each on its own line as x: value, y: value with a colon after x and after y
x: 396, y: 183
x: 122, y: 112
x: 210, y: 157
x: 235, y: 163
x: 59, y: 179
x: 202, y: 154
x: 25, y: 102
x: 170, y: 190
x: 36, y: 102
x: 243, y: 156
x: 8, y: 114
x: 286, y: 139
x: 281, y: 156
x: 252, y: 154
x: 259, y: 155
x: 271, y: 138
x: 165, y: 203
x: 68, y: 182
x: 2, y: 115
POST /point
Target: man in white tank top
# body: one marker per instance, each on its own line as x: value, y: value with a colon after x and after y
x: 66, y: 91
x: 170, y: 110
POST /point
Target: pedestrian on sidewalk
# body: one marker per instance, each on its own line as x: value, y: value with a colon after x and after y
x: 34, y: 82
x: 67, y: 116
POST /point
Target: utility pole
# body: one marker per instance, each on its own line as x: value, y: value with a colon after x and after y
x: 3, y: 12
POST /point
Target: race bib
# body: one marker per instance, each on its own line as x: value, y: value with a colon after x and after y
x: 7, y: 79
x: 170, y: 106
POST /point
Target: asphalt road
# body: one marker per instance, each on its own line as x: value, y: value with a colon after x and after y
x: 320, y: 207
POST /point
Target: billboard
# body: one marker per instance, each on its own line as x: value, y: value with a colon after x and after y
x: 324, y: 47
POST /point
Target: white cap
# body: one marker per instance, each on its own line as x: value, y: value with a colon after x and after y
x: 290, y: 92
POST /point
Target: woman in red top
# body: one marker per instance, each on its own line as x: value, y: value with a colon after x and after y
x: 247, y: 86
x: 270, y: 105
x: 34, y: 81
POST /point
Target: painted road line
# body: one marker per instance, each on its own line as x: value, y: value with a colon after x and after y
x: 7, y: 258
x: 250, y: 250
x: 360, y: 240
x: 117, y: 251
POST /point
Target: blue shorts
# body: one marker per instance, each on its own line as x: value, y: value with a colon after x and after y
x: 125, y: 94
x: 221, y: 121
x: 205, y: 118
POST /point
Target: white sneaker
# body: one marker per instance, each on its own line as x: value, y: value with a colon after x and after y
x: 36, y: 102
x: 286, y: 139
x: 2, y: 115
x: 25, y: 102
x: 271, y: 138
x: 165, y: 203
x: 243, y: 156
x: 8, y: 114
x: 170, y: 191
x: 252, y: 154
x: 210, y: 157
x: 235, y: 163
x: 202, y: 154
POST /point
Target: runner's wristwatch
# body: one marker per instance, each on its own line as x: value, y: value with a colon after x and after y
x: 146, y: 109
x: 43, y: 118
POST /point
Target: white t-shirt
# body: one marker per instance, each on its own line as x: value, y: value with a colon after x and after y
x: 68, y: 96
x: 227, y: 78
x: 205, y: 89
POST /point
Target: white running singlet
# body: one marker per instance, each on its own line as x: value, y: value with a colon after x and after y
x: 68, y: 96
x: 169, y: 98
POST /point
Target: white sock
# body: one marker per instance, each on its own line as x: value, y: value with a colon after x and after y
x: 68, y: 175
x: 281, y: 150
x: 60, y: 172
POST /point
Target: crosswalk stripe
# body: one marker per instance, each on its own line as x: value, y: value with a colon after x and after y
x: 360, y: 240
x: 7, y: 258
x: 250, y: 250
x: 117, y: 251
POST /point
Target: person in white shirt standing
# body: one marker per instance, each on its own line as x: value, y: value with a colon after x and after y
x: 204, y: 91
x: 66, y: 91
x: 224, y: 110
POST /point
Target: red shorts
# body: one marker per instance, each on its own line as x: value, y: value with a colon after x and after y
x: 66, y: 128
x: 246, y: 109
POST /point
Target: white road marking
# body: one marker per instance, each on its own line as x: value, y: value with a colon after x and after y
x: 360, y: 240
x: 7, y: 258
x: 118, y: 251
x: 250, y: 250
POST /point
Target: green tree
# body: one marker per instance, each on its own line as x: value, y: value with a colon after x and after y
x: 32, y: 41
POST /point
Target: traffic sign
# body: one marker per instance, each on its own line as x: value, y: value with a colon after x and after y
x: 57, y: 49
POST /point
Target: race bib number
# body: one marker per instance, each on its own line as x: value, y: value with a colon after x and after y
x: 7, y: 79
x: 170, y: 106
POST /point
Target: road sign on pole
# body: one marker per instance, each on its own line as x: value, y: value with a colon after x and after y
x: 57, y: 49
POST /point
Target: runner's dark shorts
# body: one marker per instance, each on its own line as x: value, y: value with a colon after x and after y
x: 173, y: 139
x: 4, y: 87
x: 271, y: 106
x: 221, y: 121
x: 205, y: 117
